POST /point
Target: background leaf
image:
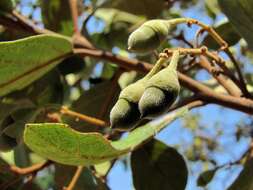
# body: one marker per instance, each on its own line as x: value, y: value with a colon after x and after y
x: 91, y: 102
x: 118, y: 26
x: 239, y: 12
x: 45, y: 52
x: 245, y: 179
x: 149, y: 8
x: 158, y: 166
x: 206, y: 177
x: 227, y: 32
x: 56, y: 16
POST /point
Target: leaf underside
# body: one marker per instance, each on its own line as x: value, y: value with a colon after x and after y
x: 60, y: 143
x: 24, y: 61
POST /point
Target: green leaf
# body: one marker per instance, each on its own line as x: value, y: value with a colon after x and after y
x: 111, y: 16
x: 21, y: 156
x: 103, y: 168
x: 26, y: 60
x: 127, y: 78
x: 73, y: 64
x: 91, y: 103
x: 13, y: 126
x: 149, y: 8
x: 56, y: 16
x: 212, y: 8
x: 158, y: 166
x: 7, y: 5
x: 239, y: 12
x: 62, y: 144
x: 205, y: 177
x: 48, y: 89
x: 118, y: 26
x: 227, y: 32
x: 245, y: 179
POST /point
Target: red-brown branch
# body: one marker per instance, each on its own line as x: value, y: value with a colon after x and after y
x: 207, y: 94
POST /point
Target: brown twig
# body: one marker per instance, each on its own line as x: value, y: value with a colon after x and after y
x: 74, y: 14
x: 75, y: 178
x: 31, y: 169
x: 225, y: 48
x: 204, y: 51
x: 211, y: 31
x: 88, y: 119
x: 239, y: 72
x: 231, y: 89
x: 22, y: 22
x: 242, y: 104
x: 182, y: 38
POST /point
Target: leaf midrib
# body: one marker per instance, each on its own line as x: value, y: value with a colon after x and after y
x: 35, y: 69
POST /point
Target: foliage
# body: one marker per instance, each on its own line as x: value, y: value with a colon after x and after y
x: 86, y: 54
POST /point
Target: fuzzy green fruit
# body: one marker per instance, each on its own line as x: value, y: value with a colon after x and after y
x: 161, y: 90
x: 125, y: 114
x: 148, y: 36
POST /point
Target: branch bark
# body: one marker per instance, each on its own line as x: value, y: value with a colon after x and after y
x: 242, y: 104
x: 208, y: 95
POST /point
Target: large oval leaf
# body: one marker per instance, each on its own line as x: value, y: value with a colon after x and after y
x: 240, y: 15
x: 245, y: 178
x: 60, y: 143
x: 90, y: 103
x: 24, y: 61
x: 158, y: 166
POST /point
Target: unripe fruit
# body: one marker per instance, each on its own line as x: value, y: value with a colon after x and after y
x: 149, y: 36
x: 161, y: 90
x: 125, y: 114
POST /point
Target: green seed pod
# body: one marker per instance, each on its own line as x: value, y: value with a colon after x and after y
x: 148, y: 36
x: 125, y: 113
x: 161, y: 90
